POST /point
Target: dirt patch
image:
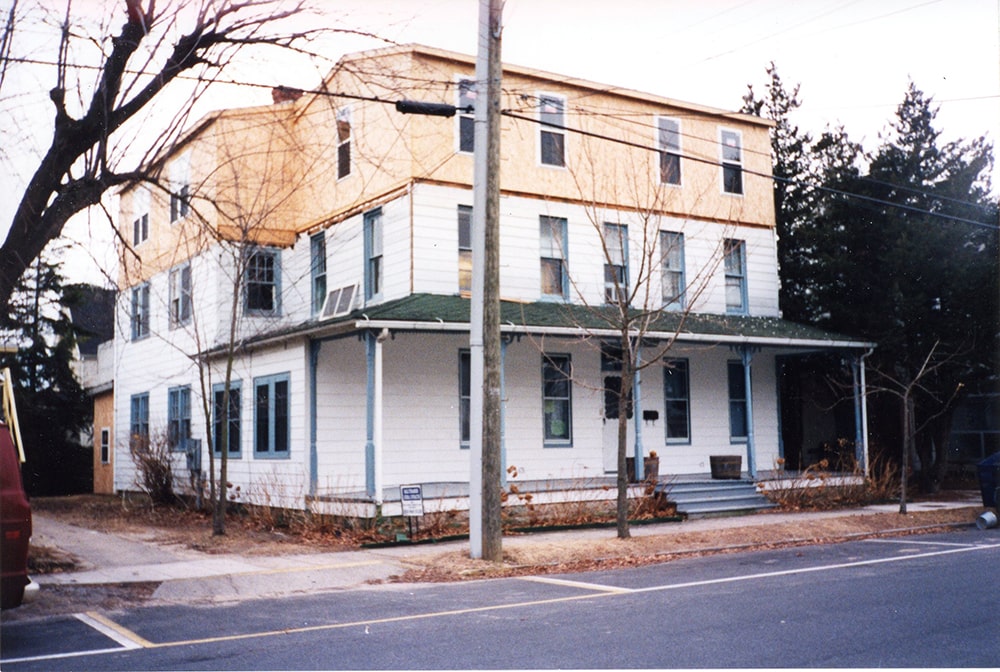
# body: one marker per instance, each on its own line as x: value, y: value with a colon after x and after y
x: 67, y: 599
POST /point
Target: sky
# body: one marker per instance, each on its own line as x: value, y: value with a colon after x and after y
x: 854, y: 60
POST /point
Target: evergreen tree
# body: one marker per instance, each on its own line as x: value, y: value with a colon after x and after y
x: 53, y: 409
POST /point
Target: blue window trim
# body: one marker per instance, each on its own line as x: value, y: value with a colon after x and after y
x: 140, y: 317
x: 271, y: 452
x: 680, y: 366
x: 178, y: 415
x: 553, y: 359
x: 275, y: 255
x: 139, y: 416
x: 374, y: 286
x: 317, y: 270
x: 741, y: 249
x: 237, y: 387
x: 623, y: 237
x: 563, y: 294
x: 681, y: 301
x: 735, y: 377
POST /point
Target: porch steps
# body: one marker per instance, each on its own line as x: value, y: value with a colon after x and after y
x: 706, y: 498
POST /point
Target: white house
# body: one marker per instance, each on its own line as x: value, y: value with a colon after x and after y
x: 341, y: 229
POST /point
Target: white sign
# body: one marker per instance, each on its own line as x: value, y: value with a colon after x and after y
x: 412, y: 498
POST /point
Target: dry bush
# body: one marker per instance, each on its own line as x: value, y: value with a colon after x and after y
x: 154, y: 466
x: 819, y: 488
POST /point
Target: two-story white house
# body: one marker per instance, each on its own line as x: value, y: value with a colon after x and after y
x: 339, y: 230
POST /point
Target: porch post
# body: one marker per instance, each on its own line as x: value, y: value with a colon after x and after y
x: 314, y: 346
x: 504, y: 341
x: 746, y: 355
x: 373, y: 445
x: 864, y: 410
x: 640, y: 463
x: 856, y: 389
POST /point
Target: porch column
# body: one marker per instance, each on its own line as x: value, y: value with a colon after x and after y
x: 746, y: 356
x: 314, y: 346
x: 373, y: 444
x: 504, y: 342
x: 640, y: 463
x: 860, y: 411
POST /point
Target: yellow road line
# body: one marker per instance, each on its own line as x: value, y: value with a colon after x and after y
x: 118, y: 633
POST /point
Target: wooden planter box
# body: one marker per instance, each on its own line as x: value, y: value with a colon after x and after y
x: 650, y: 468
x: 726, y: 466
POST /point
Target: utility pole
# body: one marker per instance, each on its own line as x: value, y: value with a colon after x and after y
x: 485, y: 533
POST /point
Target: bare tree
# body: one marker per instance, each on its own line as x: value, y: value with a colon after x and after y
x: 155, y: 46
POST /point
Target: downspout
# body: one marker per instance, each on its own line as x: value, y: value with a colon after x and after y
x: 640, y: 462
x: 314, y: 347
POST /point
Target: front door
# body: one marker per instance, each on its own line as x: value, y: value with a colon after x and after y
x: 612, y: 387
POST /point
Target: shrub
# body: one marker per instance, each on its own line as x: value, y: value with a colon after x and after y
x: 154, y: 468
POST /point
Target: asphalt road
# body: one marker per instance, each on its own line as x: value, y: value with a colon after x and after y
x: 924, y: 601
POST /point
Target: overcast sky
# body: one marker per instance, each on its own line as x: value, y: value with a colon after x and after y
x: 853, y: 58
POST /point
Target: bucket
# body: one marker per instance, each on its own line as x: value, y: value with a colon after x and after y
x: 986, y: 520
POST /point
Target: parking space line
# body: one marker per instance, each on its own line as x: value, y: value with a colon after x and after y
x: 128, y: 639
x: 578, y: 584
x: 915, y: 543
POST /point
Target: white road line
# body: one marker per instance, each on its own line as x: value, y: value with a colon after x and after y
x: 57, y: 656
x: 924, y: 543
x: 578, y: 584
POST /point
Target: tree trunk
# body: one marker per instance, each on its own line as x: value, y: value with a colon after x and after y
x: 621, y: 509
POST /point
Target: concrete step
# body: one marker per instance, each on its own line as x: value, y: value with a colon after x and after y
x: 714, y: 497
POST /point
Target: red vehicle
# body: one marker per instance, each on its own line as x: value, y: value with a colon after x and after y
x: 15, y: 524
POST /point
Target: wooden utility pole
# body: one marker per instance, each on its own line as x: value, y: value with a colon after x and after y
x: 485, y: 538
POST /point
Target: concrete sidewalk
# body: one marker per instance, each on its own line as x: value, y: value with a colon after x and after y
x: 186, y: 575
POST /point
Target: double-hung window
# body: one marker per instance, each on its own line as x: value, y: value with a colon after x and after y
x: 270, y: 409
x: 105, y: 445
x: 677, y: 394
x: 180, y: 295
x: 466, y: 119
x: 672, y: 265
x: 552, y: 239
x: 262, y: 282
x: 615, y: 263
x: 464, y: 249
x: 226, y: 420
x: 373, y: 254
x: 464, y: 397
x: 737, y: 402
x: 612, y: 361
x: 736, y: 276
x: 317, y: 269
x: 139, y: 421
x: 180, y: 187
x: 140, y: 311
x: 732, y: 162
x: 552, y: 131
x: 343, y: 142
x: 140, y: 225
x: 557, y: 419
x: 668, y: 142
x: 178, y: 415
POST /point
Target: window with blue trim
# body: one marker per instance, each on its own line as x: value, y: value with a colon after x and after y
x: 737, y: 403
x: 317, y: 267
x: 262, y: 282
x: 672, y: 263
x: 557, y: 418
x: 178, y: 415
x: 221, y: 415
x: 736, y: 276
x: 616, y: 263
x: 140, y: 311
x: 271, y: 408
x: 139, y: 421
x: 373, y: 254
x: 677, y: 394
x: 552, y: 243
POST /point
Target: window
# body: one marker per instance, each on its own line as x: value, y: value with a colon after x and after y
x: 737, y: 403
x: 552, y: 136
x: 139, y: 421
x: 466, y: 120
x: 343, y: 142
x: 464, y: 248
x: 140, y: 311
x: 261, y: 283
x: 464, y: 397
x: 736, y: 276
x: 672, y: 263
x: 105, y: 445
x: 180, y: 187
x: 271, y: 416
x: 178, y: 416
x: 668, y: 141
x: 612, y: 359
x: 220, y: 415
x: 140, y: 229
x: 317, y: 252
x: 373, y: 254
x: 616, y: 264
x: 732, y: 162
x: 180, y: 295
x: 552, y: 238
x: 677, y: 394
x: 556, y: 401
